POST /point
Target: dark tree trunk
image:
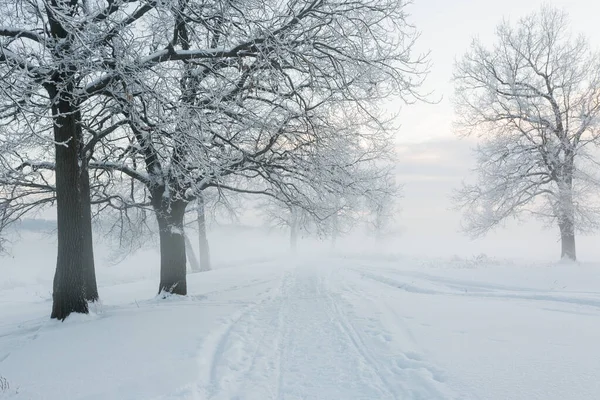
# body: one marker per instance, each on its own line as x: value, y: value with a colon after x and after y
x: 172, y: 246
x: 202, y: 237
x: 567, y: 240
x: 69, y: 291
x: 89, y: 270
x: 71, y: 278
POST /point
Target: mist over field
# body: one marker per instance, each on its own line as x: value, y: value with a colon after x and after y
x: 299, y: 200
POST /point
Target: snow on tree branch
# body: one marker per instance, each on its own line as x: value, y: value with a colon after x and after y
x: 533, y: 100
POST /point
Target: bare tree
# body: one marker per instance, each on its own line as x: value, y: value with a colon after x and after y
x: 533, y: 99
x: 343, y: 178
x: 382, y: 205
x: 59, y: 59
x: 280, y: 214
x: 177, y: 96
x: 253, y: 111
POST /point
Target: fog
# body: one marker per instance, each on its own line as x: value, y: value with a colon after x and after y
x: 433, y: 160
x: 233, y: 224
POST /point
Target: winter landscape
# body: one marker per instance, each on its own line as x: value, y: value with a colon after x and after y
x: 299, y: 199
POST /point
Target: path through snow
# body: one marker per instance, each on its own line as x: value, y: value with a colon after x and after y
x: 321, y: 328
x: 304, y: 340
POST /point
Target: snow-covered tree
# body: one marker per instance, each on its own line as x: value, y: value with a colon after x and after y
x: 292, y: 218
x: 50, y: 54
x: 338, y: 180
x: 247, y: 114
x: 61, y: 60
x: 382, y: 206
x: 533, y: 98
x: 179, y: 96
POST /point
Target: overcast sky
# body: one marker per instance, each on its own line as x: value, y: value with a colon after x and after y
x: 433, y: 161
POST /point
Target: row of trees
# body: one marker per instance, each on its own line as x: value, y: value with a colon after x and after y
x: 375, y: 210
x: 131, y: 108
x: 533, y: 100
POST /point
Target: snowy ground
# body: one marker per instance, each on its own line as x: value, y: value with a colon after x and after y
x: 315, y: 327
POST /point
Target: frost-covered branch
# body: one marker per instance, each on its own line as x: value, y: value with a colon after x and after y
x: 533, y: 100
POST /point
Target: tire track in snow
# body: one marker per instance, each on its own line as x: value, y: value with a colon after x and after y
x: 405, y: 373
x: 299, y: 342
x: 214, y: 382
x: 284, y: 343
x: 377, y: 301
x: 413, y: 286
x: 268, y: 349
x: 350, y: 332
x: 319, y: 360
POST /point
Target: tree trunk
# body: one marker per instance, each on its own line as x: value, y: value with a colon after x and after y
x: 191, y: 257
x: 202, y: 237
x: 172, y: 246
x: 89, y: 271
x: 567, y: 240
x: 566, y: 221
x: 69, y: 289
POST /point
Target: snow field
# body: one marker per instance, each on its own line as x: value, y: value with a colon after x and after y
x: 315, y: 327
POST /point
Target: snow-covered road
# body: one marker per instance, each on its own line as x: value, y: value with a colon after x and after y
x: 304, y: 340
x: 319, y: 328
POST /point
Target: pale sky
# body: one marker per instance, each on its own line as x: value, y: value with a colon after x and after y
x: 433, y: 161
